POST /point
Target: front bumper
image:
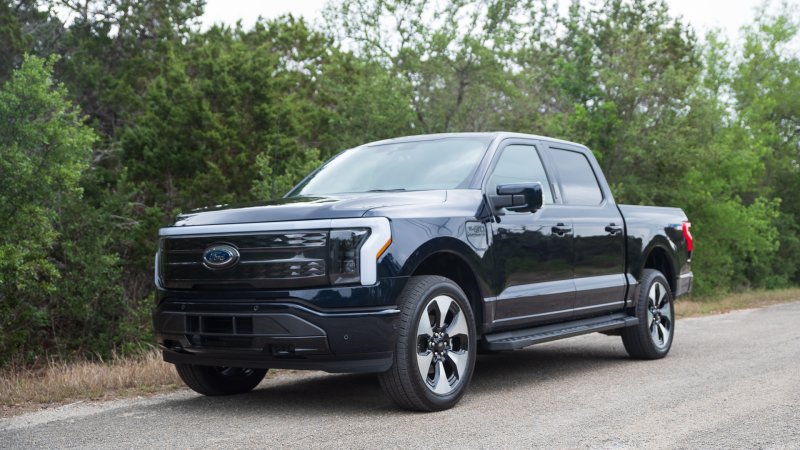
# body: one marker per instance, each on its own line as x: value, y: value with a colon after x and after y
x: 276, y: 335
x: 277, y: 332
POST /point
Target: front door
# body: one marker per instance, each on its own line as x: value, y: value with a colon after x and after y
x: 533, y: 252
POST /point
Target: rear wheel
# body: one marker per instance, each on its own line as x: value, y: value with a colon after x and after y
x: 435, y: 352
x: 210, y: 380
x: 652, y: 337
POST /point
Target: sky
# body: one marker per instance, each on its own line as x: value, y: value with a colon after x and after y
x: 728, y: 15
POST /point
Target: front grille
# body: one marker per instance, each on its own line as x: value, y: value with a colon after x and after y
x: 267, y: 260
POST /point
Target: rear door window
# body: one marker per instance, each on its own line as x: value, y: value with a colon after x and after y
x: 579, y: 184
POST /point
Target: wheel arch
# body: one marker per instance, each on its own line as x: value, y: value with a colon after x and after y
x: 660, y: 256
x: 448, y: 258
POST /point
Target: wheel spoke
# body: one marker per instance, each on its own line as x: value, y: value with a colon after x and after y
x: 425, y: 328
x: 667, y: 322
x: 443, y: 305
x: 650, y: 319
x: 459, y: 360
x: 424, y: 363
x: 662, y: 295
x: 441, y: 385
x: 664, y: 333
x: 666, y: 311
x: 458, y: 325
x: 654, y: 332
x: 653, y: 297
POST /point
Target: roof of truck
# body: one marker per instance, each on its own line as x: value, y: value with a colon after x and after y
x: 493, y: 135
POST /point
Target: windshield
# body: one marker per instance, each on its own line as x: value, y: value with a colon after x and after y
x: 446, y: 163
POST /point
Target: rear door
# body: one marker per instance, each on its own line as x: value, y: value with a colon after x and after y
x: 599, y: 235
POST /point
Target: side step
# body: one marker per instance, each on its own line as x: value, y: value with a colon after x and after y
x: 511, y: 340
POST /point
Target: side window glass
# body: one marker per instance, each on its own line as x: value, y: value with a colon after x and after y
x: 520, y: 164
x: 578, y: 181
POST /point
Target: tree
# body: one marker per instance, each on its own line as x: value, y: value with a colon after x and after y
x: 27, y: 26
x: 45, y: 146
x: 764, y: 80
x: 450, y: 56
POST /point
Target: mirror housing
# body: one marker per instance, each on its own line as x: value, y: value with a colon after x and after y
x: 519, y: 197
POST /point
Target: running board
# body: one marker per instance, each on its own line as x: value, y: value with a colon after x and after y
x: 511, y: 340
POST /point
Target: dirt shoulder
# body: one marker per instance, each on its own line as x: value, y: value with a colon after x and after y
x: 702, y: 306
x: 24, y: 390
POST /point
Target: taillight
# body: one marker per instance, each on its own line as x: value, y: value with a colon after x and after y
x: 688, y: 236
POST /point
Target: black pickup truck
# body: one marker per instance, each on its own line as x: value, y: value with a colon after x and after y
x: 407, y: 257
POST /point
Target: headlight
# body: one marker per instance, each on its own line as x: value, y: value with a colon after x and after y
x: 345, y: 255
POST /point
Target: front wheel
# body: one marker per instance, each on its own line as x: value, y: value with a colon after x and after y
x: 209, y: 380
x: 436, y: 343
x: 652, y: 337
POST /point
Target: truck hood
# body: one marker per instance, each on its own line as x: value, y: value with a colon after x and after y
x: 307, y: 208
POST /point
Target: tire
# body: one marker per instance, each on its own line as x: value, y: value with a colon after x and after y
x: 652, y: 337
x: 212, y: 381
x: 436, y: 343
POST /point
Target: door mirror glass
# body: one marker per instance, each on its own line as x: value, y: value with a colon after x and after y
x: 519, y: 197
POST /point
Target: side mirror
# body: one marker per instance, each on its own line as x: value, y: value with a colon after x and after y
x: 520, y: 197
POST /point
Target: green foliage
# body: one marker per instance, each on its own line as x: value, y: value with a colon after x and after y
x: 766, y: 76
x: 448, y: 56
x: 179, y: 118
x: 45, y: 147
x: 12, y: 40
x: 270, y: 184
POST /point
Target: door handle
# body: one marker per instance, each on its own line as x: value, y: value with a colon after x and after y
x: 561, y: 229
x: 613, y: 229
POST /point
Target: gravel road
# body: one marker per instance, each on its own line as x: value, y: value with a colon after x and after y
x: 730, y: 381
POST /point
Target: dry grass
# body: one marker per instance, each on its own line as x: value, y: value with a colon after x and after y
x: 24, y: 389
x: 700, y: 306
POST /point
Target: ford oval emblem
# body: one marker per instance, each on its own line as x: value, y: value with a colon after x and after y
x: 220, y: 256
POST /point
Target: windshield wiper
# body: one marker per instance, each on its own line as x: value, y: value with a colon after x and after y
x: 386, y: 190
